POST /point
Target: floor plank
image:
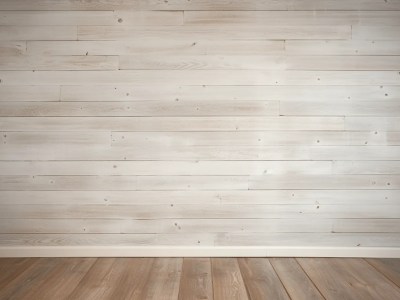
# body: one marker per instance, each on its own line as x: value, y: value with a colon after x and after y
x: 261, y: 280
x: 227, y: 280
x: 96, y: 281
x: 349, y: 278
x: 63, y: 279
x: 389, y: 267
x: 112, y: 278
x: 22, y: 286
x: 297, y: 283
x: 196, y: 282
x: 163, y: 281
x: 199, y: 278
x: 12, y: 268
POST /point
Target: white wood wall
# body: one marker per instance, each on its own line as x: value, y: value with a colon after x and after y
x: 199, y: 124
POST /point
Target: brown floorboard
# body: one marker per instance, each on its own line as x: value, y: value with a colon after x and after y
x: 199, y: 278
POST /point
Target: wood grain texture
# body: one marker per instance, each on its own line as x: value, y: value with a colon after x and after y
x: 63, y: 279
x: 227, y: 279
x: 12, y: 268
x: 95, y: 17
x: 390, y: 268
x: 200, y: 5
x: 157, y: 46
x: 196, y: 279
x: 59, y: 63
x: 359, y: 279
x: 164, y: 279
x: 291, y: 17
x: 260, y: 279
x: 297, y: 284
x: 237, y: 123
x: 169, y: 278
x: 252, y: 32
x: 31, y: 277
x: 224, y: 93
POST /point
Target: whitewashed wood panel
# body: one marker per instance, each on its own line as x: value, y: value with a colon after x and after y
x: 248, y: 197
x: 91, y: 17
x: 304, y: 240
x: 349, y: 62
x: 325, y: 182
x: 342, y: 5
x: 200, y: 77
x: 200, y: 5
x: 159, y: 46
x: 20, y: 182
x: 117, y: 226
x: 200, y: 123
x: 195, y: 211
x: 212, y: 92
x: 356, y: 153
x: 29, y: 93
x: 368, y: 225
x: 72, y: 18
x: 105, y: 152
x: 202, y: 62
x: 349, y: 47
x: 375, y: 32
x: 258, y: 138
x: 8, y: 48
x: 38, y: 33
x: 366, y: 167
x: 303, y: 17
x: 123, y: 182
x: 254, y: 32
x: 152, y: 18
x: 29, y: 5
x: 25, y: 139
x: 217, y: 5
x: 140, y: 109
x: 164, y: 167
x: 188, y: 239
x: 225, y: 138
x: 198, y: 240
x: 373, y: 123
x: 59, y: 63
x: 341, y: 108
x: 183, y: 123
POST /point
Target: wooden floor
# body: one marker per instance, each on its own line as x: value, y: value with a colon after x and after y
x: 199, y: 278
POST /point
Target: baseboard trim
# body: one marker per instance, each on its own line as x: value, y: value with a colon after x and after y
x: 190, y: 251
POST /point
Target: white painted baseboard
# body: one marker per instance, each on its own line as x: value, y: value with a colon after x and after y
x: 188, y: 251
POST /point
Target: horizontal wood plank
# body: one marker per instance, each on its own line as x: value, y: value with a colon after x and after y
x: 188, y: 123
x: 59, y: 63
x: 158, y: 46
x: 118, y: 226
x: 252, y: 32
x: 139, y: 109
x: 223, y: 93
x: 95, y: 17
x: 168, y: 167
x: 200, y: 5
x: 29, y: 93
x: 200, y: 77
x: 250, y: 197
x: 12, y: 33
x: 349, y: 47
x: 291, y: 17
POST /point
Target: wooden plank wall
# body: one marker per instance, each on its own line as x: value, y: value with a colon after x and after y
x: 200, y: 123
